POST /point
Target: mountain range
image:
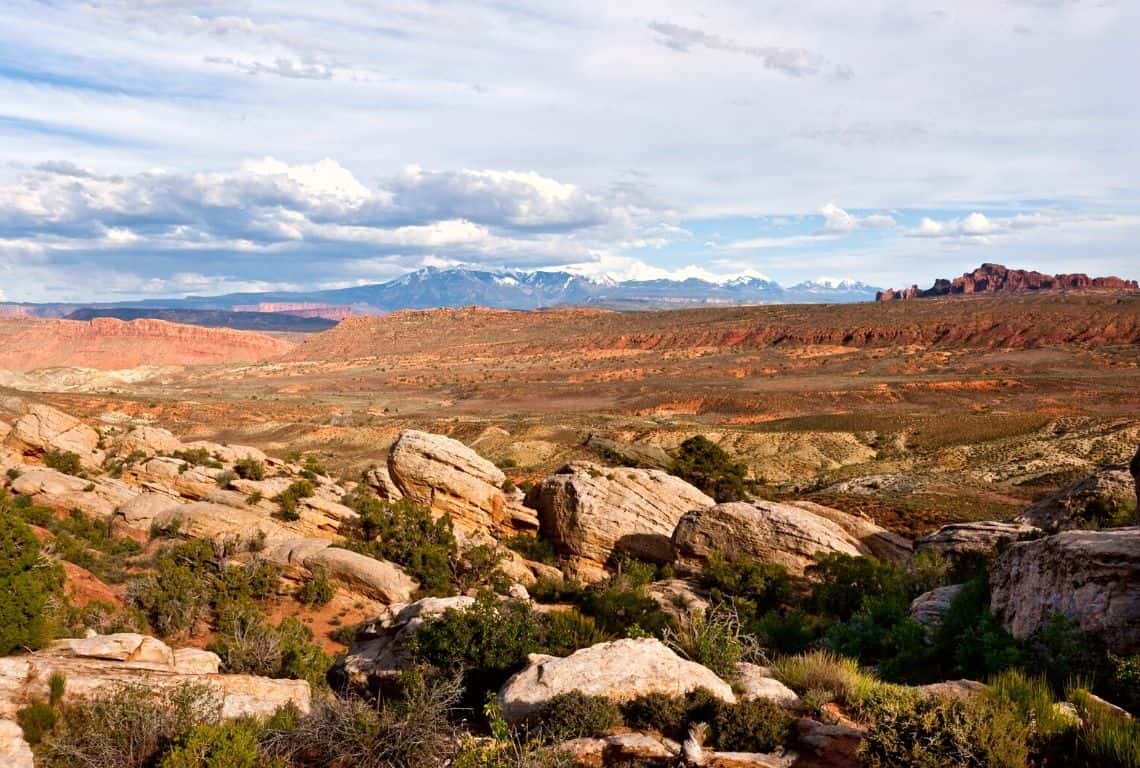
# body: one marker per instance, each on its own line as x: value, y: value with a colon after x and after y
x: 459, y: 287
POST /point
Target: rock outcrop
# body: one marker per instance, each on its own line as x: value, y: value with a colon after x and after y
x: 878, y: 541
x: 768, y: 531
x: 99, y: 497
x: 44, y: 429
x: 994, y: 278
x: 756, y: 682
x: 451, y: 479
x: 620, y: 670
x: 929, y: 608
x: 590, y: 513
x: 14, y: 751
x: 94, y: 664
x: 973, y: 539
x: 1103, y: 495
x: 1088, y: 576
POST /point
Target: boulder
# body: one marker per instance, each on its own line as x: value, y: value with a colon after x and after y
x: 755, y: 682
x: 149, y: 441
x: 929, y: 608
x: 381, y: 481
x: 982, y: 539
x: 590, y: 513
x: 678, y: 598
x: 99, y: 497
x: 767, y: 531
x: 91, y: 667
x: 14, y: 751
x: 1098, y: 496
x: 195, y: 661
x: 378, y: 579
x: 43, y: 429
x: 878, y: 542
x: 383, y: 650
x: 450, y: 478
x: 203, y: 520
x: 139, y: 512
x: 953, y: 689
x: 5, y: 430
x: 1089, y: 576
x: 620, y: 670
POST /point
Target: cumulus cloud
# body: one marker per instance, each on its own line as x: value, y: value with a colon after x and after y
x: 797, y: 62
x: 838, y: 220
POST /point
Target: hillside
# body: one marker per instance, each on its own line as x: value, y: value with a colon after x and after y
x: 111, y: 344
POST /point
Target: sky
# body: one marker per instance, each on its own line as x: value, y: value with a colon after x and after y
x: 163, y: 147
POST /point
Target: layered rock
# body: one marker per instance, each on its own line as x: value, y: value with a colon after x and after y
x: 974, y: 539
x: 878, y: 541
x: 1094, y: 498
x: 1088, y: 576
x: 767, y: 531
x: 49, y: 488
x: 619, y: 670
x: 451, y: 479
x: 931, y: 607
x: 590, y: 513
x: 995, y: 278
x: 44, y: 429
x: 92, y: 665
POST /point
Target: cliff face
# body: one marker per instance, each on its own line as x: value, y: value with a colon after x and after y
x: 111, y: 344
x: 994, y: 278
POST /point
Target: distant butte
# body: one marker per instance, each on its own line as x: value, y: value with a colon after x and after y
x: 994, y: 278
x: 109, y: 344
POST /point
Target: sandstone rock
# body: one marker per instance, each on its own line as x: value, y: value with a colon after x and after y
x: 1101, y: 494
x: 832, y: 744
x: 930, y: 607
x: 47, y: 487
x: 764, y: 530
x: 953, y: 689
x: 203, y: 520
x: 619, y: 670
x: 378, y: 579
x: 1089, y: 576
x: 386, y: 651
x: 591, y: 512
x: 139, y: 512
x: 450, y: 478
x: 149, y: 441
x: 750, y: 760
x: 381, y: 482
x: 194, y: 661
x: 633, y: 454
x: 879, y: 542
x: 43, y: 428
x: 5, y: 430
x: 972, y: 539
x: 123, y: 646
x: 25, y: 678
x: 756, y: 682
x: 678, y: 598
x: 14, y: 751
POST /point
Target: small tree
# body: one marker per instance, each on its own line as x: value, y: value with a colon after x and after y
x: 30, y: 584
x: 707, y: 466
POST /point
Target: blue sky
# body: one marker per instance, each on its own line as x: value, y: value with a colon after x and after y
x: 164, y: 148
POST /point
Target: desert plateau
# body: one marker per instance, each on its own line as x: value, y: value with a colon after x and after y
x: 482, y: 384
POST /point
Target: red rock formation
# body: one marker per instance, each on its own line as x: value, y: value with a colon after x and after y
x: 994, y: 278
x: 110, y: 344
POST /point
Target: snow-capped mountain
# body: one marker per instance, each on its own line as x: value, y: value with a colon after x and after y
x: 433, y: 287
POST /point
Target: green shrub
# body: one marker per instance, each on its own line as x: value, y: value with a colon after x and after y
x: 129, y: 726
x: 225, y: 480
x: 766, y: 585
x: 342, y: 732
x: 1063, y: 652
x: 484, y: 643
x: 1106, y: 738
x: 670, y: 715
x: 1123, y: 685
x: 287, y: 500
x: 1031, y: 701
x: 788, y: 633
x: 533, y: 548
x: 713, y: 639
x: 250, y: 469
x: 229, y: 745
x: 824, y: 671
x: 707, y: 466
x: 560, y: 633
x: 843, y: 582
x: 970, y: 643
x: 479, y: 567
x: 36, y: 720
x: 199, y: 457
x: 405, y: 533
x: 67, y: 462
x: 933, y: 732
x: 248, y: 644
x: 30, y: 585
x: 317, y: 590
x: 574, y: 715
x: 751, y: 726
